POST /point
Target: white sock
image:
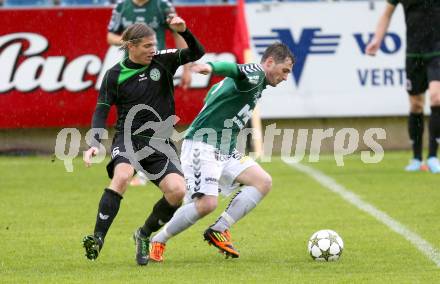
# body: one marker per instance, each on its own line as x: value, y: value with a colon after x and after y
x: 182, y: 219
x: 242, y: 203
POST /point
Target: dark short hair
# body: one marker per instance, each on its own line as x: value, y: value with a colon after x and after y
x: 279, y: 52
x: 135, y: 33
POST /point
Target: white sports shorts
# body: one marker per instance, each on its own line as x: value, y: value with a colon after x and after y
x: 209, y: 172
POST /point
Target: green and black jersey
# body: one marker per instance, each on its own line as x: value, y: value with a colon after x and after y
x: 127, y: 84
x: 153, y: 13
x: 228, y: 105
x: 422, y: 19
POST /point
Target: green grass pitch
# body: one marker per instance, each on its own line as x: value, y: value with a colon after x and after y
x: 45, y: 211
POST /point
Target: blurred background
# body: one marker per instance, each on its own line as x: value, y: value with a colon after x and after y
x: 53, y: 54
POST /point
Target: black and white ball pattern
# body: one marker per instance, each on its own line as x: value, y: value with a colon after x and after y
x: 325, y: 245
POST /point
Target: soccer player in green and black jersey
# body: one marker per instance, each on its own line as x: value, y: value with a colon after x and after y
x: 153, y: 13
x: 422, y: 71
x: 141, y: 88
x: 210, y: 161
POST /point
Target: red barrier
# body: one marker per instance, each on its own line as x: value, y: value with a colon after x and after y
x: 50, y: 61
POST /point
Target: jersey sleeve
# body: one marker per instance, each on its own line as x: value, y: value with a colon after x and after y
x: 173, y: 58
x: 251, y: 75
x: 115, y: 24
x: 246, y: 76
x: 106, y: 98
x: 226, y: 69
x: 107, y: 92
x: 193, y: 52
x: 393, y: 2
x: 169, y: 59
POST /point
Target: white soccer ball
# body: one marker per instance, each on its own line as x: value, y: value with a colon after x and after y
x: 325, y: 245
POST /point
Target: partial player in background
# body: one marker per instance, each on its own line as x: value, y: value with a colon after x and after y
x: 141, y: 79
x: 422, y: 72
x: 210, y: 161
x: 153, y: 13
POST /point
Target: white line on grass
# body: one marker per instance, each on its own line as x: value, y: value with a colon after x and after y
x: 423, y: 246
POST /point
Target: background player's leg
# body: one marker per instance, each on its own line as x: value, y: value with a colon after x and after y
x: 139, y: 179
x: 415, y: 130
x: 434, y: 126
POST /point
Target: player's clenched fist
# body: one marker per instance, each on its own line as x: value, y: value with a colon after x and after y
x: 93, y: 151
x: 176, y: 23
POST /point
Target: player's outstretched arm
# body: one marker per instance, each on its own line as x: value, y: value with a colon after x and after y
x: 381, y: 29
x: 202, y: 68
x: 225, y: 69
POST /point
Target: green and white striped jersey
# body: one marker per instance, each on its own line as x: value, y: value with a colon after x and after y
x: 228, y: 107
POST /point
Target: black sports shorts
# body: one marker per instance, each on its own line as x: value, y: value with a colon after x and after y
x: 156, y: 166
x: 419, y: 72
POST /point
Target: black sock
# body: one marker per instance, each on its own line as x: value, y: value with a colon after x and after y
x: 108, y: 208
x: 415, y: 130
x: 161, y: 214
x: 434, y: 130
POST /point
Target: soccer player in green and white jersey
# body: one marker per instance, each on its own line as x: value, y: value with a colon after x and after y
x: 210, y: 162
